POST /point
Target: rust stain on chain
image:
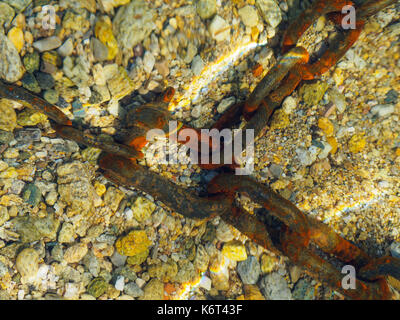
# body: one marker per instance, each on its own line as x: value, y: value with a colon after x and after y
x: 297, y: 231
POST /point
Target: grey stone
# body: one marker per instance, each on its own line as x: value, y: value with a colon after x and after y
x: 6, y: 137
x: 197, y: 65
x: 32, y: 195
x: 275, y: 287
x: 51, y: 96
x: 270, y: 11
x: 303, y: 290
x: 91, y: 262
x: 6, y: 14
x: 11, y: 68
x: 383, y: 110
x: 57, y: 253
x: 67, y: 48
x: 225, y: 104
x: 118, y: 260
x: 33, y: 228
x: 133, y: 290
x: 186, y: 273
x: 338, y: 99
x: 307, y: 156
x: 47, y: 44
x: 28, y: 135
x: 100, y: 51
x: 30, y: 83
x: 3, y: 269
x: 45, y: 80
x: 249, y: 270
x: 17, y: 186
x: 191, y: 52
x: 395, y: 249
x: 275, y: 170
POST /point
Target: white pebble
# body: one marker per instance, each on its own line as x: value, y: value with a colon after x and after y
x: 140, y: 282
x: 225, y: 104
x: 383, y: 110
x: 197, y: 65
x: 205, y: 283
x: 289, y: 105
x: 148, y: 61
x: 219, y: 29
x: 120, y: 283
x: 21, y: 294
x: 71, y: 290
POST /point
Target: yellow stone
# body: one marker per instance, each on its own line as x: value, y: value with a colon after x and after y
x: 357, y: 143
x: 280, y: 184
x: 10, y: 200
x: 251, y: 292
x: 268, y: 263
x: 26, y: 171
x: 30, y: 117
x: 117, y: 3
x: 372, y: 26
x: 280, y: 120
x: 108, y: 5
x: 333, y: 143
x: 136, y: 242
x: 11, y: 153
x: 142, y: 209
x: 120, y: 85
x: 326, y: 126
x: 113, y: 197
x: 8, y: 119
x: 52, y: 58
x: 16, y: 36
x: 398, y: 152
x: 254, y: 33
x: 100, y: 188
x: 234, y: 250
x: 9, y: 173
x: 103, y: 32
x: 338, y: 76
x: 91, y: 154
x: 138, y: 258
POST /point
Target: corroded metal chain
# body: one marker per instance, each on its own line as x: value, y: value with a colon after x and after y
x: 291, y: 233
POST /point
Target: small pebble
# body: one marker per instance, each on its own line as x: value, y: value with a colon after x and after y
x: 47, y: 44
x: 27, y: 263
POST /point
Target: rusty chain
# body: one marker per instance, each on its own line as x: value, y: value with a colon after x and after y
x: 291, y: 232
